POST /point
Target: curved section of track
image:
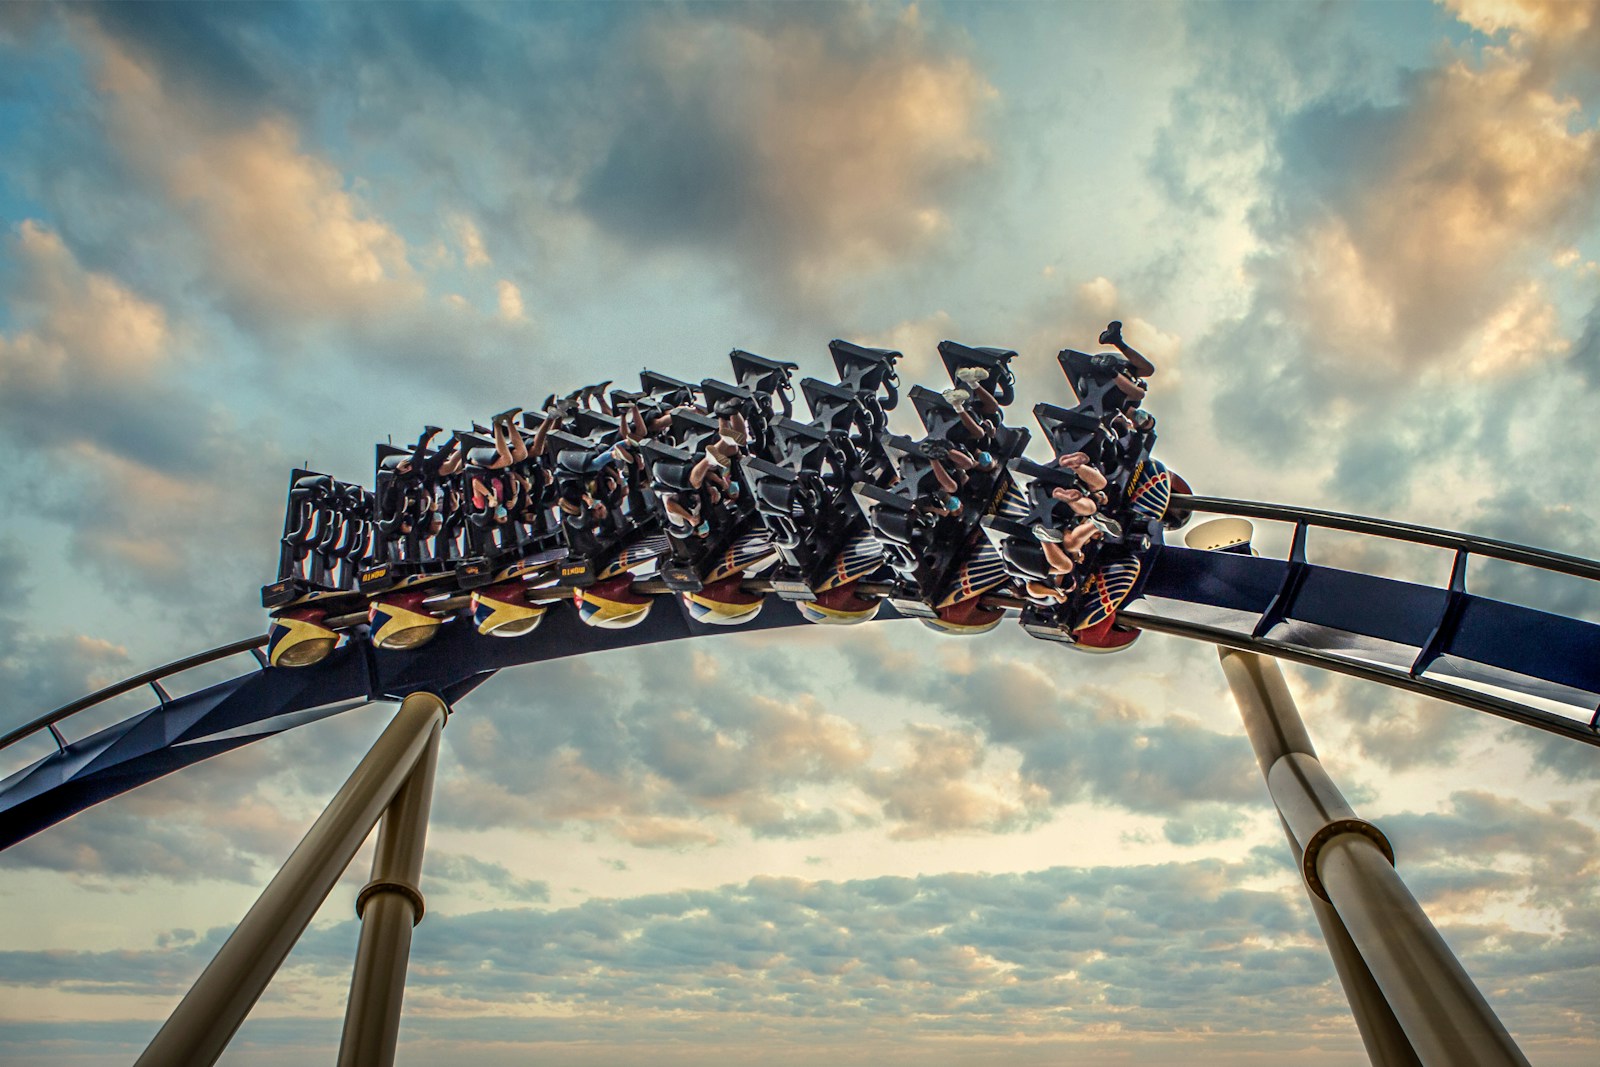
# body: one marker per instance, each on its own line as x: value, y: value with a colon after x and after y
x: 181, y: 731
x: 1532, y: 667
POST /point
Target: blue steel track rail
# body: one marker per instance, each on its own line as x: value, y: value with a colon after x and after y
x: 1443, y: 642
x: 1422, y: 639
x: 184, y: 730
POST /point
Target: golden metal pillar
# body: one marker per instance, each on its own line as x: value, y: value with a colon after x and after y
x: 389, y: 906
x: 1412, y: 1000
x: 209, y: 1014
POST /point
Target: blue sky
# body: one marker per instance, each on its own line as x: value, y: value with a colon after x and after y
x: 1359, y: 240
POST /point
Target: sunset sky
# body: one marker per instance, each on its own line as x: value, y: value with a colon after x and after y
x: 1361, y: 242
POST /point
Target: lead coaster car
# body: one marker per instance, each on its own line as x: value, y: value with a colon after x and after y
x: 298, y: 637
x: 1104, y: 591
x: 1089, y: 621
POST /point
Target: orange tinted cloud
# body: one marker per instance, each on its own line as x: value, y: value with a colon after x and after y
x: 1468, y: 188
x: 1542, y: 18
x: 282, y: 232
x: 82, y: 322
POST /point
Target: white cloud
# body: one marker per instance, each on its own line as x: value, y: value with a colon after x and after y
x: 470, y: 241
x: 941, y: 788
x: 510, y: 299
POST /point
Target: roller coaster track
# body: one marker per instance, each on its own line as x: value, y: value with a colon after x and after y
x: 1402, y: 635
x: 1528, y: 666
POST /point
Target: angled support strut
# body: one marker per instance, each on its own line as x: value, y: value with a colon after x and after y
x: 1412, y: 1000
x: 213, y: 1009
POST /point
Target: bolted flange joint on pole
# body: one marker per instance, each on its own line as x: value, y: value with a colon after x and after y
x: 405, y: 889
x: 1316, y: 812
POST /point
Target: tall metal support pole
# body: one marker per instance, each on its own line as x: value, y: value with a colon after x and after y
x: 1381, y: 1033
x: 1348, y: 866
x: 389, y: 906
x: 204, y: 1021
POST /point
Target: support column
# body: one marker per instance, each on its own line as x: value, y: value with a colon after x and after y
x: 389, y: 906
x: 1411, y: 998
x: 209, y: 1014
x: 1381, y: 1033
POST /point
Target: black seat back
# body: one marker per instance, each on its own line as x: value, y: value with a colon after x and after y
x: 994, y: 361
x: 766, y: 376
x: 867, y: 370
